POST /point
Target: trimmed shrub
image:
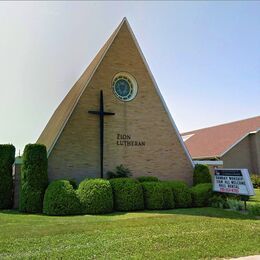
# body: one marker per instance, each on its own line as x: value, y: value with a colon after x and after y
x: 34, y: 178
x: 128, y: 194
x: 7, y: 157
x: 120, y: 172
x: 95, y: 196
x: 61, y: 199
x: 201, y: 174
x: 147, y: 178
x: 201, y: 194
x: 181, y: 194
x: 157, y: 195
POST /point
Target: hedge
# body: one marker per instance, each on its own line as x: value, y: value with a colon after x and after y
x: 61, y: 199
x: 147, y: 178
x: 201, y: 194
x: 95, y: 196
x: 34, y: 178
x: 201, y: 174
x: 157, y: 195
x: 128, y: 194
x: 181, y: 194
x: 7, y: 157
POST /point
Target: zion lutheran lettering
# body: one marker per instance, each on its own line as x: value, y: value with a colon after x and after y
x: 125, y: 140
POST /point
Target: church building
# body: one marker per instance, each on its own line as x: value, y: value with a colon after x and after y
x: 236, y: 145
x: 114, y: 114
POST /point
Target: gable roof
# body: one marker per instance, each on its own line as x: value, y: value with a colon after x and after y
x: 215, y: 141
x: 56, y: 124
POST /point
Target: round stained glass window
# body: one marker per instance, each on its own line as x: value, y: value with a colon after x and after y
x: 124, y: 86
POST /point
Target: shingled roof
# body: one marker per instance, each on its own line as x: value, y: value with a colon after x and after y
x: 61, y: 115
x: 215, y: 141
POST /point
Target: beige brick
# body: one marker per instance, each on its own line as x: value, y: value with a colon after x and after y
x: 76, y: 152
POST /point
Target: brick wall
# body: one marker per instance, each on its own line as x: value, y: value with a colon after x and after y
x: 76, y: 153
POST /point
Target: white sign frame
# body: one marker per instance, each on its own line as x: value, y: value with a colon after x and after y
x: 233, y: 181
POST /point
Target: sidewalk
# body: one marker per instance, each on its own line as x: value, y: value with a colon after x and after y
x: 252, y: 257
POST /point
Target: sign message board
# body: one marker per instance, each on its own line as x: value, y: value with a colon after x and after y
x: 236, y: 181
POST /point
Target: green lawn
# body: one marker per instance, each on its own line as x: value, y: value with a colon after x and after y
x: 174, y: 234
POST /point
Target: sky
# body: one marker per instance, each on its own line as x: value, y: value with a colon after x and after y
x: 205, y: 58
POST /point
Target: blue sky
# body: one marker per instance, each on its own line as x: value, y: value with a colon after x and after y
x: 205, y: 57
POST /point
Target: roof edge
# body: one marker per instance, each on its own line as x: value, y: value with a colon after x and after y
x: 159, y: 93
x: 238, y: 141
x: 199, y: 129
x: 83, y: 89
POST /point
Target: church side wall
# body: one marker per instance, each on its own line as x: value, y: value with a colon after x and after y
x: 255, y: 151
x: 239, y: 156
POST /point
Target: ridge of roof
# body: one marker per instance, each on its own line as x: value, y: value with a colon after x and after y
x: 217, y: 140
x: 222, y: 124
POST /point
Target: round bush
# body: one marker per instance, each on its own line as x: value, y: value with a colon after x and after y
x: 181, y: 194
x: 157, y: 195
x: 201, y: 174
x: 7, y: 157
x: 128, y: 194
x: 201, y: 194
x: 95, y: 196
x: 61, y: 199
x: 147, y: 178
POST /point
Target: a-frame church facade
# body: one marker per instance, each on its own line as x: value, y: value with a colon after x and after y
x: 138, y: 130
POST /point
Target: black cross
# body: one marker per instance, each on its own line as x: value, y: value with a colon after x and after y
x: 101, y: 114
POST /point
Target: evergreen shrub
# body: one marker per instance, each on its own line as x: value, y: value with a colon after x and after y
x: 157, y: 195
x: 61, y: 199
x: 181, y: 194
x: 201, y: 194
x: 201, y: 174
x: 34, y: 178
x: 7, y: 157
x: 95, y: 196
x: 147, y: 178
x: 128, y: 194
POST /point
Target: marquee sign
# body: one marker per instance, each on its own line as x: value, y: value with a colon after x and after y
x: 236, y: 181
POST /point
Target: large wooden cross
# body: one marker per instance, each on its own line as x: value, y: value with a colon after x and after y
x: 101, y: 113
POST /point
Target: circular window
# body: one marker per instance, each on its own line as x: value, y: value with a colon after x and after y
x: 124, y: 86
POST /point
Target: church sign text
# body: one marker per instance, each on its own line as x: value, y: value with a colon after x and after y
x: 236, y: 181
x: 126, y: 140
